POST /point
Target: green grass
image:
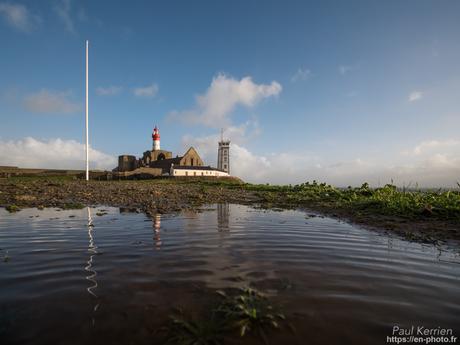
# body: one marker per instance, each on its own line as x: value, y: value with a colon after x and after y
x: 237, y: 315
x: 73, y: 206
x: 59, y: 178
x: 388, y: 200
x: 12, y: 208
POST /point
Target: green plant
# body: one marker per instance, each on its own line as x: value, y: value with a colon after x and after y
x: 73, y: 206
x: 250, y: 311
x: 387, y: 200
x: 12, y: 208
x: 187, y: 331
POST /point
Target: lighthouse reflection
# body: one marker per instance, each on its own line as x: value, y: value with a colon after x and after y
x: 223, y: 220
x: 92, y: 274
x: 156, y: 231
x: 223, y: 215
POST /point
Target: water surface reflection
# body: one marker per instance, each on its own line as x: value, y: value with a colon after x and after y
x: 92, y: 249
x: 156, y: 231
x: 337, y: 283
x: 223, y: 216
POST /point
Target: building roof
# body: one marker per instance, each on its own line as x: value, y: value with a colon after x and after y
x: 165, y: 164
x: 190, y: 149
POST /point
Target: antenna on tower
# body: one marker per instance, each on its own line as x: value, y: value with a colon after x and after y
x: 221, y: 134
x: 87, y: 140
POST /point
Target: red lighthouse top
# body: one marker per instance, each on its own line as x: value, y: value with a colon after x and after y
x: 156, y: 134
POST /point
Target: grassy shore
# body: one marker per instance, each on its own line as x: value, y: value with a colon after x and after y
x: 425, y: 215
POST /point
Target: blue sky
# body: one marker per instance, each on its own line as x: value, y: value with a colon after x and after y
x: 342, y: 91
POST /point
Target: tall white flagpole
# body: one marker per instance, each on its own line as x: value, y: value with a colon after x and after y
x: 87, y: 140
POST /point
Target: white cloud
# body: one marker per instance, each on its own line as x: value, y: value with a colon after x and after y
x: 215, y: 107
x: 428, y: 168
x: 62, y: 10
x: 415, y: 96
x: 248, y: 165
x: 433, y: 171
x: 207, y: 145
x: 46, y: 101
x: 19, y: 17
x: 430, y: 145
x: 108, y: 91
x: 149, y: 91
x: 429, y: 164
x: 301, y: 74
x: 52, y: 154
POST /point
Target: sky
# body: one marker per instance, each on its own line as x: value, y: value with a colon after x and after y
x: 337, y: 91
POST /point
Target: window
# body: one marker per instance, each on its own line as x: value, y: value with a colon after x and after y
x: 202, y: 173
x: 191, y: 161
x: 194, y: 173
x: 186, y: 173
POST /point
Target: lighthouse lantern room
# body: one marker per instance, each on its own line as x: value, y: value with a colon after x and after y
x: 156, y: 138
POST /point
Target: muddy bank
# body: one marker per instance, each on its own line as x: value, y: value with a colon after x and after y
x: 170, y: 196
x: 155, y: 196
x: 421, y: 229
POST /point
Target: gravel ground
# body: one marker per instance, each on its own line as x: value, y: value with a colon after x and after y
x: 147, y: 196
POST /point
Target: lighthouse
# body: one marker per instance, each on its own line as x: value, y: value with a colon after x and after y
x: 223, y: 154
x: 156, y: 139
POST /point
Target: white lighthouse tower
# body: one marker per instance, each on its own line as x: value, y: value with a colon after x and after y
x: 223, y: 154
x: 156, y: 139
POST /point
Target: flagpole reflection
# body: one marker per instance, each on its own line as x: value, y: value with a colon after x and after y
x: 92, y: 249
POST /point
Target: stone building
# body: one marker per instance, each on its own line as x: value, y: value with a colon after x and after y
x: 127, y: 163
x: 161, y: 162
x: 205, y: 171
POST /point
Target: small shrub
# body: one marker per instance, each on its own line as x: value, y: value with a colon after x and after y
x: 12, y: 208
x: 249, y: 312
x: 73, y: 206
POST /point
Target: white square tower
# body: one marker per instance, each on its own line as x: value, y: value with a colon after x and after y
x: 223, y: 155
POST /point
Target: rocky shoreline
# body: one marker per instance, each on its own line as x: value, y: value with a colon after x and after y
x: 168, y: 196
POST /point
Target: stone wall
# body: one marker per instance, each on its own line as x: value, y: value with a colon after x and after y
x: 139, y: 173
x: 152, y: 156
x: 127, y: 163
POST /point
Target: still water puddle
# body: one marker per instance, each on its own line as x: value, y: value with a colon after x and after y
x: 108, y: 276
